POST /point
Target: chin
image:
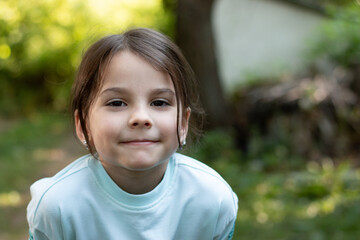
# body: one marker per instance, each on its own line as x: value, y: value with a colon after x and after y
x: 144, y: 165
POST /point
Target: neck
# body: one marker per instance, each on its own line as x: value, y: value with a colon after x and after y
x: 136, y: 182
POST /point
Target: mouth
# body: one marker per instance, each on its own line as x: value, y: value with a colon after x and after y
x: 139, y: 142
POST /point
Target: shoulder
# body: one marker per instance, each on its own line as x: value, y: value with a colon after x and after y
x: 49, y: 194
x: 205, y: 180
x: 200, y: 171
x: 208, y: 191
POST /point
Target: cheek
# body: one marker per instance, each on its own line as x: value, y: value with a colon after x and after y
x: 103, y: 127
x: 168, y: 126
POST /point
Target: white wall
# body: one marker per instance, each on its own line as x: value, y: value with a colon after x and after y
x: 262, y: 37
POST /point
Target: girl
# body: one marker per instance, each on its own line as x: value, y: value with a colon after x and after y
x: 132, y: 100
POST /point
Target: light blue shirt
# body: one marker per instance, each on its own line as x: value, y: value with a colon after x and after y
x: 82, y: 202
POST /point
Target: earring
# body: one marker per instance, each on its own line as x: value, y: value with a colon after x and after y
x: 182, y: 144
x: 86, y: 145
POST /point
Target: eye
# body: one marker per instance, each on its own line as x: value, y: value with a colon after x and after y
x: 116, y: 103
x: 160, y: 103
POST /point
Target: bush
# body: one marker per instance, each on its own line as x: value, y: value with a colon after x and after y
x: 338, y: 40
x: 41, y: 44
x: 318, y: 200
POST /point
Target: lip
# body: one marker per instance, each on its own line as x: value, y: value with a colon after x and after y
x: 139, y: 142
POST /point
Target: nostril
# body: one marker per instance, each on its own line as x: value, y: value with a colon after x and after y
x: 145, y: 124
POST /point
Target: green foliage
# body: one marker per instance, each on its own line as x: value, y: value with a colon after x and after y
x: 315, y: 201
x: 335, y: 2
x: 215, y: 146
x: 338, y: 39
x: 272, y: 152
x: 22, y: 145
x: 27, y: 146
x: 41, y: 44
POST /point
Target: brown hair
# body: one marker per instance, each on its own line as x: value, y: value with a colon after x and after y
x: 155, y: 48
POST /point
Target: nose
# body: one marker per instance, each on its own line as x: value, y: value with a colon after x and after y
x: 140, y: 118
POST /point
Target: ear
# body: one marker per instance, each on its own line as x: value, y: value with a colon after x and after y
x: 185, y: 124
x: 78, y: 128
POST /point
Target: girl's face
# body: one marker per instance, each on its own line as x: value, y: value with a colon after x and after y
x: 133, y: 120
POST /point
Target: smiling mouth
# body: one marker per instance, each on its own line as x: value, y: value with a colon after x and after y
x: 139, y: 142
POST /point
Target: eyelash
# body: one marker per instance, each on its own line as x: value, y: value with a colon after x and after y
x: 155, y: 103
x: 116, y: 103
x: 161, y: 103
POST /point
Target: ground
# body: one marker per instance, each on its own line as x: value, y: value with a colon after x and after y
x: 13, y: 204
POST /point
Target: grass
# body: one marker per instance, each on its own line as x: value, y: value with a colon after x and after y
x: 27, y: 146
x: 304, y: 200
x: 277, y: 200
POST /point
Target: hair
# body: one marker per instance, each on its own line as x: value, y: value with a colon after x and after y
x: 156, y: 49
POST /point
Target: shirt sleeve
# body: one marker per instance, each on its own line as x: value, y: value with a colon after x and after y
x: 38, y: 235
x: 228, y: 231
x: 44, y: 213
x: 227, y: 218
x: 45, y: 221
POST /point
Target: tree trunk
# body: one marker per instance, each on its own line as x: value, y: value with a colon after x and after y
x: 194, y: 36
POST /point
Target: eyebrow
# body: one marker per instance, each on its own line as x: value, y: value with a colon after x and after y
x: 153, y: 92
x: 114, y: 89
x: 163, y: 90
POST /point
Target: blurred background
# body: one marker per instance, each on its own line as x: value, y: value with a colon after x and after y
x: 279, y: 79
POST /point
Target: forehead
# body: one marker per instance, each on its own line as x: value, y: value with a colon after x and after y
x: 129, y: 69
